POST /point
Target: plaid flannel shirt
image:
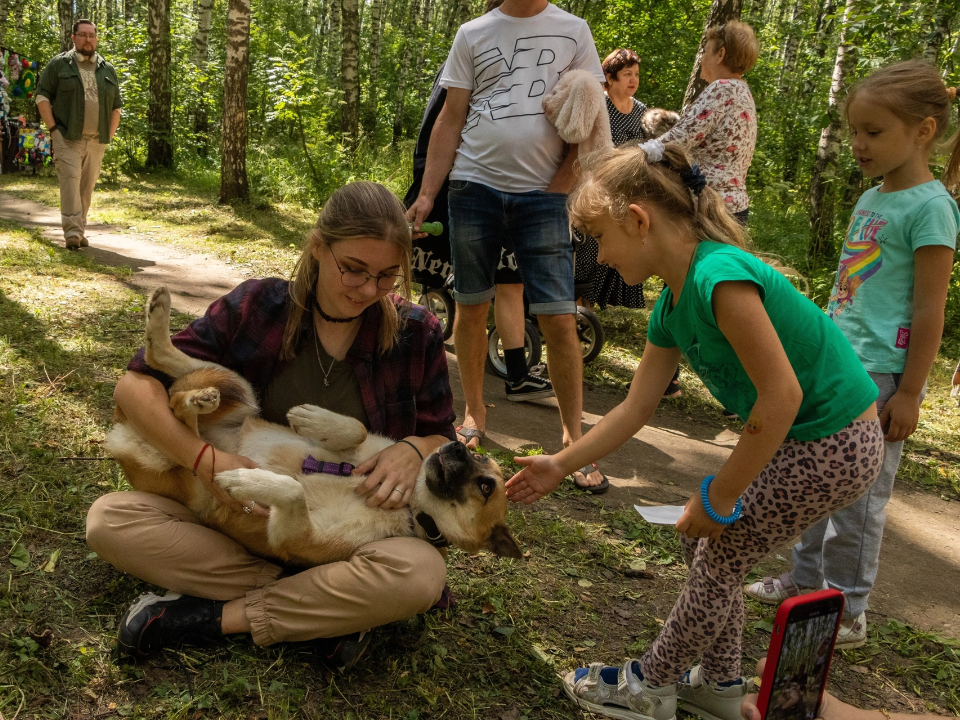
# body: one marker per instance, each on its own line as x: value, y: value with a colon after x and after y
x: 406, y: 392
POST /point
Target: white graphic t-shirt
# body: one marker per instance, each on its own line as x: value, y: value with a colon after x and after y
x: 509, y: 64
x: 872, y: 300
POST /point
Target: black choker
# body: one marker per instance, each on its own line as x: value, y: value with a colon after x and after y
x: 328, y: 318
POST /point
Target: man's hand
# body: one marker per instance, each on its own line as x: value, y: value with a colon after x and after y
x: 224, y: 462
x: 417, y: 213
x: 540, y: 477
x: 900, y: 416
x: 393, y: 475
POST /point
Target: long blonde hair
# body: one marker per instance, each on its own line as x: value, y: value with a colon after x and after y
x: 357, y: 210
x: 614, y: 180
x: 913, y: 91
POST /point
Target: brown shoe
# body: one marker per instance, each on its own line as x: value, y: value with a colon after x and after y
x: 73, y: 244
x: 83, y: 242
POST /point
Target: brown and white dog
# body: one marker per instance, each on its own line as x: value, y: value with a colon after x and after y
x: 314, y: 518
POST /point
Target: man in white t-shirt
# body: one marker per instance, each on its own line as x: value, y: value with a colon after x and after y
x: 511, y: 172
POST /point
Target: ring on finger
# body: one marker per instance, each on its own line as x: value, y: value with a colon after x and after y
x: 397, y: 490
x: 248, y: 509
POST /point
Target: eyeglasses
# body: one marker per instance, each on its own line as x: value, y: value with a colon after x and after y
x: 356, y: 278
x: 92, y: 36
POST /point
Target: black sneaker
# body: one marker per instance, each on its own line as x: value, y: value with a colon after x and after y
x: 342, y: 653
x: 530, y: 387
x: 155, y: 622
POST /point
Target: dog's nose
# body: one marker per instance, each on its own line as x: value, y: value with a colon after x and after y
x: 456, y: 451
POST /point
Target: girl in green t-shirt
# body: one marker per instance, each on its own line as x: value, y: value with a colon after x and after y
x: 811, y: 442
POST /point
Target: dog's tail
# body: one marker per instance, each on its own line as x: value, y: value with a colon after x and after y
x: 161, y: 353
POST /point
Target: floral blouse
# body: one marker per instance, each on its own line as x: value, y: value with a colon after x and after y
x: 720, y: 130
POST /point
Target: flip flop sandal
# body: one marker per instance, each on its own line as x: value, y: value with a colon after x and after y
x: 592, y: 489
x: 467, y: 433
x: 616, y: 692
x: 673, y: 390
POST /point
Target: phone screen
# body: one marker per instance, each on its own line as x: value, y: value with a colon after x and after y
x: 803, y: 663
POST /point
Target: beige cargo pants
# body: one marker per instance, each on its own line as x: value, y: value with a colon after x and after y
x: 162, y: 542
x: 78, y: 167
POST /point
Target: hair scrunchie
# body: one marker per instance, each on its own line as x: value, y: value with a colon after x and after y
x: 653, y: 150
x: 695, y: 180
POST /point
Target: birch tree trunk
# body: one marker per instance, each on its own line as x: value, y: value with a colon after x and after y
x: 65, y: 11
x: 721, y: 11
x: 3, y: 18
x: 944, y: 12
x: 201, y: 56
x: 824, y: 29
x: 411, y: 40
x: 333, y: 45
x: 350, y: 71
x: 790, y: 47
x: 128, y: 10
x: 821, y: 190
x: 159, y: 118
x: 453, y: 18
x: 425, y: 41
x: 233, y: 152
x: 376, y: 40
x: 320, y: 26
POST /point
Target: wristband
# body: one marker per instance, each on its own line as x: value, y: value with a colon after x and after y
x: 213, y: 464
x: 415, y: 448
x: 711, y: 513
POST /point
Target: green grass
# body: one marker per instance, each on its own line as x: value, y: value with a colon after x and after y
x: 67, y: 328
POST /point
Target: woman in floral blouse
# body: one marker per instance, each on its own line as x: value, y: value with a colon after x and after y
x: 720, y: 128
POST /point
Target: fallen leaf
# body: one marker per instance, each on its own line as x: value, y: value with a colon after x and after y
x: 586, y: 598
x: 19, y: 557
x: 505, y: 631
x: 642, y: 574
x: 608, y: 575
x: 765, y: 625
x: 52, y: 562
x: 490, y: 405
x: 555, y: 692
x: 90, y: 695
x: 623, y: 612
x: 638, y: 565
x: 404, y: 673
x: 511, y: 714
x: 488, y: 608
x: 468, y: 621
x: 43, y: 639
x: 860, y: 669
x: 579, y: 649
x: 584, y: 583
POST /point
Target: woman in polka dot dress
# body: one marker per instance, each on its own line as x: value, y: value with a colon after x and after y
x: 606, y: 287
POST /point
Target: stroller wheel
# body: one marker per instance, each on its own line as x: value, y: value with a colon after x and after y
x: 439, y: 302
x: 590, y: 332
x: 532, y: 345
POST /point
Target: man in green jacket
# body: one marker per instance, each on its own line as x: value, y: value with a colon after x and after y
x: 79, y: 100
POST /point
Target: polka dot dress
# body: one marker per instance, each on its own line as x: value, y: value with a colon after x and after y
x: 606, y: 285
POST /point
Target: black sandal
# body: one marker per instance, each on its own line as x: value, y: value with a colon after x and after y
x: 592, y: 489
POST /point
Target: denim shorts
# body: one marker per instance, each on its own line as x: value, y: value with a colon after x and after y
x: 533, y: 225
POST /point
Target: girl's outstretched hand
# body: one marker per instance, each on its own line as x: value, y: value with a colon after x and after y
x: 899, y: 416
x: 540, y: 477
x: 695, y: 523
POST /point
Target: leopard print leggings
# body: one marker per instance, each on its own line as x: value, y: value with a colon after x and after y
x: 804, y: 482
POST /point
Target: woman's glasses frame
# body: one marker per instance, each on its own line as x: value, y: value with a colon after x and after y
x: 358, y: 278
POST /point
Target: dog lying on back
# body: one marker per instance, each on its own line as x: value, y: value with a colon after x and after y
x: 315, y: 517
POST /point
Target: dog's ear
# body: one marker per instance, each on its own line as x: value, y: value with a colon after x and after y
x: 501, y: 542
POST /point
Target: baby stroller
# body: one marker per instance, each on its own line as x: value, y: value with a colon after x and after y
x: 433, y: 270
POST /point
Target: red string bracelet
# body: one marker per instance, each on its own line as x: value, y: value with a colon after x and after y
x: 213, y: 463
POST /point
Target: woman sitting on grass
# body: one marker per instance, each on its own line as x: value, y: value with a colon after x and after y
x: 333, y: 336
x: 812, y: 442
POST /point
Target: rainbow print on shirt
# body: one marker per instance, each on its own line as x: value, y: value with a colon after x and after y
x: 861, y: 258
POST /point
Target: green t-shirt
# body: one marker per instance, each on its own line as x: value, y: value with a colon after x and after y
x: 872, y: 300
x: 836, y: 388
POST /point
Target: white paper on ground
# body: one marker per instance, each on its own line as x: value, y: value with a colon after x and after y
x: 660, y: 514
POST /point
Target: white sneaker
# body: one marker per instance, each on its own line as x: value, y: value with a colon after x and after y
x: 709, y: 700
x: 773, y: 591
x: 853, y: 633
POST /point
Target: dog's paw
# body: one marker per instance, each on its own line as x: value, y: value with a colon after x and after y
x: 329, y: 428
x: 266, y: 487
x: 158, y: 306
x: 206, y: 400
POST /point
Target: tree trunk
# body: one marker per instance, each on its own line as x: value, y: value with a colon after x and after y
x: 128, y: 9
x: 453, y: 18
x: 466, y: 11
x: 721, y: 11
x: 159, y: 119
x: 65, y: 10
x: 790, y: 47
x: 111, y: 10
x: 233, y: 154
x: 320, y: 25
x: 411, y: 40
x: 821, y: 191
x: 824, y: 30
x: 4, y: 12
x: 201, y: 56
x: 333, y: 45
x: 376, y: 40
x: 943, y: 13
x: 421, y: 49
x: 350, y: 71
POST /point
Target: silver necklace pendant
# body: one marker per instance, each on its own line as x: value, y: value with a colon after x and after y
x: 326, y: 383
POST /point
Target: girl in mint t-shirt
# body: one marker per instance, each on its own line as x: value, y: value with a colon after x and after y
x: 888, y: 300
x: 812, y: 442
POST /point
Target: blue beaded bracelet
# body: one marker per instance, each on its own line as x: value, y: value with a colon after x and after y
x: 711, y: 513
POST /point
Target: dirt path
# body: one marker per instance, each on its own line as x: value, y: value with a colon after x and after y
x: 663, y: 464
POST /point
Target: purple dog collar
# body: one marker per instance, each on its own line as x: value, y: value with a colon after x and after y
x: 311, y: 465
